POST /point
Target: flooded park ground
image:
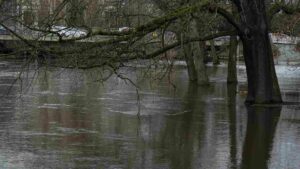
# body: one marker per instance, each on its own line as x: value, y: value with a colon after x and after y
x: 66, y: 119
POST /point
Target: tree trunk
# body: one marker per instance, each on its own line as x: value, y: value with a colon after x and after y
x: 263, y: 85
x: 201, y: 32
x: 198, y: 52
x: 188, y: 55
x: 213, y: 52
x: 232, y: 74
x: 193, y: 54
x: 186, y: 52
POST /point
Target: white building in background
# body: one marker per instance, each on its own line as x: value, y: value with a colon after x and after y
x: 278, y: 38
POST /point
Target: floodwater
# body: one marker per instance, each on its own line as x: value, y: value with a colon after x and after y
x: 66, y: 119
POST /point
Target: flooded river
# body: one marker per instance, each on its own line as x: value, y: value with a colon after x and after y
x: 66, y: 119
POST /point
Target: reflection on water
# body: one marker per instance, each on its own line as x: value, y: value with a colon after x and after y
x: 67, y: 120
x: 261, y: 127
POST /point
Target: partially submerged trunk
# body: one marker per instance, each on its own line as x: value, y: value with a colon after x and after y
x: 213, y: 53
x: 188, y: 55
x: 194, y: 54
x: 263, y: 85
x: 199, y: 53
x: 186, y: 52
x: 232, y: 58
x: 198, y: 49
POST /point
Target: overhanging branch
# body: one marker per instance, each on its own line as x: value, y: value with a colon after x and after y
x: 185, y: 41
x: 228, y: 16
x: 111, y: 60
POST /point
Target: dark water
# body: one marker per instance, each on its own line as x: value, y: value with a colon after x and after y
x: 65, y: 119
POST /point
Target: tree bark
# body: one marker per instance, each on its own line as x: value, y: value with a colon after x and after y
x: 198, y: 52
x: 188, y: 55
x: 193, y: 54
x: 263, y: 85
x: 213, y: 52
x: 232, y: 72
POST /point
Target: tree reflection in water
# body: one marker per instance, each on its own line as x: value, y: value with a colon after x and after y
x: 191, y: 143
x: 184, y: 137
x: 261, y: 127
x: 231, y: 94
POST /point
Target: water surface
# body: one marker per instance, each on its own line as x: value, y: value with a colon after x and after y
x: 66, y: 119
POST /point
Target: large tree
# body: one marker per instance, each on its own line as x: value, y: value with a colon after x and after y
x: 253, y: 30
x: 252, y: 26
